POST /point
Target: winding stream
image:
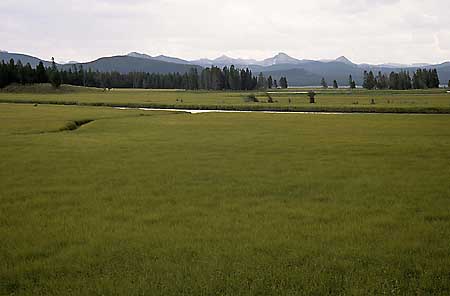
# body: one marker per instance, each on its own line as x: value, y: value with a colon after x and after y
x: 197, y: 111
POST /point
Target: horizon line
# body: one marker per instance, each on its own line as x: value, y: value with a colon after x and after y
x: 223, y: 55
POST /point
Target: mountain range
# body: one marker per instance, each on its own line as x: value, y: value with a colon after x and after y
x: 299, y: 72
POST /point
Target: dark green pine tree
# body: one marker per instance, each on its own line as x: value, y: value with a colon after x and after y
x: 12, y: 73
x: 372, y: 80
x: 244, y: 82
x: 365, y: 79
x: 262, y: 82
x: 4, y: 81
x: 269, y: 82
x: 311, y: 95
x: 54, y: 76
x: 249, y: 80
x: 434, y: 79
x: 193, y: 79
x: 394, y: 81
x: 382, y: 81
x: 369, y: 80
x: 226, y: 77
x: 20, y: 72
x: 283, y: 82
x: 351, y: 82
x: 323, y: 83
x: 416, y: 81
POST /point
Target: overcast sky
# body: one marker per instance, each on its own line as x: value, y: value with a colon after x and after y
x: 365, y: 31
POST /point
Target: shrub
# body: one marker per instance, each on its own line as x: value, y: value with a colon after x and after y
x: 311, y: 95
x: 251, y: 98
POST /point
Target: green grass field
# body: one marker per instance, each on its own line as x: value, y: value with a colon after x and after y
x: 422, y: 101
x: 159, y: 203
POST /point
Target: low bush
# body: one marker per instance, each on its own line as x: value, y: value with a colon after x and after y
x: 251, y: 98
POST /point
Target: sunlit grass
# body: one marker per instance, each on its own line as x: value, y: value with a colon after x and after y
x: 161, y: 203
x: 339, y: 100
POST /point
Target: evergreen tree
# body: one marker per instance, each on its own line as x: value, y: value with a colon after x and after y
x: 226, y: 77
x: 269, y: 82
x: 262, y: 81
x: 311, y: 95
x: 434, y: 79
x: 244, y: 82
x: 55, y: 77
x: 365, y: 79
x: 283, y: 82
x: 233, y: 79
x: 12, y: 72
x: 323, y: 83
x: 423, y: 78
x: 249, y: 82
x: 4, y: 79
x: 19, y: 72
x: 382, y: 81
x: 369, y: 80
x: 335, y: 84
x: 351, y: 82
x: 417, y: 80
x: 193, y: 79
x: 394, y: 82
x: 404, y: 80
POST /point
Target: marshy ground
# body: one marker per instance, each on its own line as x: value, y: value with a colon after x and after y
x: 159, y: 203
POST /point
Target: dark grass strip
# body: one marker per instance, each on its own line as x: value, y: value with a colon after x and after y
x: 75, y: 124
x: 324, y: 109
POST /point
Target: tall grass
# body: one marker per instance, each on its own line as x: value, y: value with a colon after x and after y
x: 423, y: 101
x: 229, y: 204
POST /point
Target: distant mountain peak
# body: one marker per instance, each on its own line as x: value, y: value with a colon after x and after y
x: 170, y: 59
x: 280, y: 58
x: 161, y: 58
x: 282, y: 54
x: 223, y: 58
x: 343, y: 59
x: 135, y: 54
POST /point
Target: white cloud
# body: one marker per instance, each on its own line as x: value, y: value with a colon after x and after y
x: 364, y: 30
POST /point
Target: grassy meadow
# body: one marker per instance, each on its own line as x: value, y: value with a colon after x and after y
x: 165, y: 203
x: 344, y: 100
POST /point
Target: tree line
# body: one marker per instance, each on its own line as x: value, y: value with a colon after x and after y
x: 422, y: 78
x: 211, y: 78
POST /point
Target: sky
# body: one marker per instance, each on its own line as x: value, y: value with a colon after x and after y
x: 365, y: 31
